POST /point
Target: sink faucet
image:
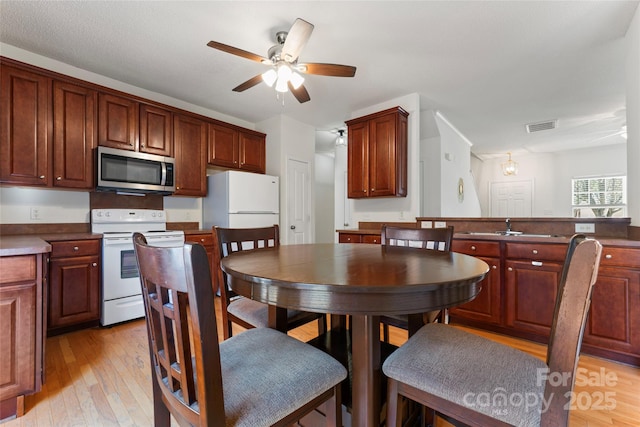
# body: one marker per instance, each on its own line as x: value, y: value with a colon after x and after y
x: 508, y: 221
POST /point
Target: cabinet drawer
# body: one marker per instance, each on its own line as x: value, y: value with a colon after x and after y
x: 550, y: 252
x: 620, y: 257
x: 371, y: 238
x: 18, y: 268
x: 203, y: 239
x: 476, y: 247
x: 349, y: 238
x: 75, y: 248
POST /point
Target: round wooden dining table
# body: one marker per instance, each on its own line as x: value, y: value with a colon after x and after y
x: 364, y: 281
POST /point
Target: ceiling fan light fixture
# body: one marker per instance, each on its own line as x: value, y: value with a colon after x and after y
x: 270, y: 77
x: 296, y: 80
x: 509, y: 167
x: 281, y: 85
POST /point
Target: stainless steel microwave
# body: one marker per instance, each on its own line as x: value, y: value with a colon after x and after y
x: 130, y: 171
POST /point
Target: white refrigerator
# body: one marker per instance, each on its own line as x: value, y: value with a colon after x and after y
x: 240, y: 200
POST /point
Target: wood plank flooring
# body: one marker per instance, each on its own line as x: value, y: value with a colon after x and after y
x: 101, y: 377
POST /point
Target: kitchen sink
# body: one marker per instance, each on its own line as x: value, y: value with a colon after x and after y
x: 507, y: 233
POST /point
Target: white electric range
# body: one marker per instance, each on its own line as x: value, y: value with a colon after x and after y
x: 121, y: 291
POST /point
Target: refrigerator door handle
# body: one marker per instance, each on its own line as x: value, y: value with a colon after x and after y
x: 255, y: 212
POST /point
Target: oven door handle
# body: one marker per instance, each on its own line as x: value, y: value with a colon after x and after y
x: 118, y: 241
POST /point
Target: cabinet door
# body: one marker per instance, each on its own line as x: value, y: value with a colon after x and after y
x: 486, y: 306
x: 74, y: 135
x: 358, y: 161
x: 25, y: 134
x: 223, y: 146
x: 74, y: 291
x: 20, y: 334
x: 531, y: 288
x: 382, y: 156
x: 117, y: 122
x: 206, y: 240
x: 614, y: 316
x: 190, y: 144
x: 252, y: 152
x: 156, y: 135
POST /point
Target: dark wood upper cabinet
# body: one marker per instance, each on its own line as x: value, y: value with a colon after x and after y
x: 74, y: 135
x: 25, y: 136
x: 252, y: 152
x: 223, y: 146
x: 231, y: 147
x: 190, y: 143
x: 118, y: 122
x: 156, y: 126
x: 377, y: 154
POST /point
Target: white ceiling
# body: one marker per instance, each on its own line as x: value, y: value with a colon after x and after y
x: 489, y: 66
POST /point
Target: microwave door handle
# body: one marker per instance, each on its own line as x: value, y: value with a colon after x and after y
x: 163, y: 181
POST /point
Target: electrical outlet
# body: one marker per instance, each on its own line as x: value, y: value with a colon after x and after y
x: 34, y: 213
x: 440, y: 224
x: 586, y: 227
x: 426, y: 224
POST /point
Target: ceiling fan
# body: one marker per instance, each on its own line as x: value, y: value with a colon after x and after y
x: 283, y: 60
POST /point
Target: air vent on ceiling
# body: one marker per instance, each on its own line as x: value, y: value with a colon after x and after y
x: 537, y: 127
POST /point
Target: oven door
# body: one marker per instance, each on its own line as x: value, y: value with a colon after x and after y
x: 121, y: 292
x: 120, y: 276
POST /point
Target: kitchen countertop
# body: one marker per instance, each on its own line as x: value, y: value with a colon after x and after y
x: 606, y: 241
x: 23, y: 245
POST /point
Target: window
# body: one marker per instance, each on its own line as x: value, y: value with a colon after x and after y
x: 604, y: 196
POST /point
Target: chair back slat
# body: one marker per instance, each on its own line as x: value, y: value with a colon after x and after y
x: 179, y: 307
x: 229, y: 240
x: 574, y: 298
x: 426, y: 238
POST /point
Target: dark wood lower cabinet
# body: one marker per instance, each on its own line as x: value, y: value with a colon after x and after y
x: 74, y: 286
x: 486, y: 306
x: 21, y: 334
x: 530, y: 294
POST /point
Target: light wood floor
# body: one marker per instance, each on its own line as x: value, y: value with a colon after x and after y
x: 101, y: 377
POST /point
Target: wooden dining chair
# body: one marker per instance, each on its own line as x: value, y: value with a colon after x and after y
x: 479, y: 382
x: 259, y: 378
x: 438, y: 239
x: 245, y: 311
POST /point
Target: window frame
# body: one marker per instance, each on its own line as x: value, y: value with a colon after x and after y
x: 607, y: 191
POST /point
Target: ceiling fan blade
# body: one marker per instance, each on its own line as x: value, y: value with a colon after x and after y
x: 235, y: 51
x: 248, y: 84
x: 334, y: 70
x: 296, y: 40
x: 301, y: 93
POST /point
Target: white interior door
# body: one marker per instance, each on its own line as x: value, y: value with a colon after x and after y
x: 298, y: 221
x: 512, y: 199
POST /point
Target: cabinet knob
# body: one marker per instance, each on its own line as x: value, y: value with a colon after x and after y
x: 510, y: 268
x: 59, y: 178
x: 473, y: 248
x: 535, y: 251
x: 141, y: 145
x: 41, y: 177
x: 130, y: 145
x: 202, y: 240
x: 95, y: 264
x: 75, y: 248
x: 495, y: 267
x: 608, y: 256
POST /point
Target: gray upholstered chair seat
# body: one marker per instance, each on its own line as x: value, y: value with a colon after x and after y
x: 497, y: 380
x: 249, y: 376
x: 257, y: 359
x: 257, y: 313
